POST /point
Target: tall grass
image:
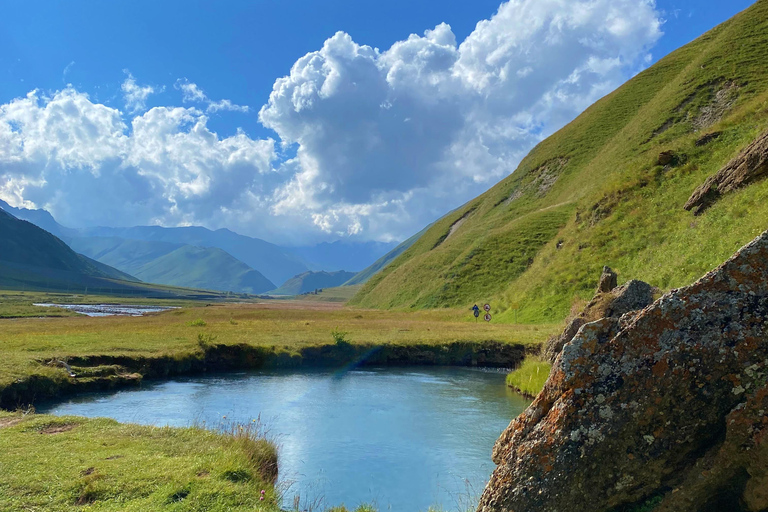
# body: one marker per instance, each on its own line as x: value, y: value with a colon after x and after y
x: 530, y: 377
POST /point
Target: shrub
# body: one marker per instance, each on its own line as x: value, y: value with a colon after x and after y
x: 340, y: 337
x: 205, y: 340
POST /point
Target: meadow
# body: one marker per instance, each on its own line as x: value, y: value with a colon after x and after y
x: 63, y: 463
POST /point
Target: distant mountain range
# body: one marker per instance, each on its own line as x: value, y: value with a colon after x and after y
x: 275, y: 263
x: 201, y: 258
x: 311, y: 281
x: 33, y: 259
x: 175, y: 264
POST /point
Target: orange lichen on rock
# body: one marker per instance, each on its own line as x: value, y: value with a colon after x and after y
x: 673, y: 397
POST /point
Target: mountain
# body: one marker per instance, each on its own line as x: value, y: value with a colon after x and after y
x: 40, y: 218
x: 611, y: 188
x: 311, y: 281
x: 32, y: 258
x: 208, y: 268
x: 275, y: 263
x: 352, y: 256
x: 364, y: 275
x: 175, y: 264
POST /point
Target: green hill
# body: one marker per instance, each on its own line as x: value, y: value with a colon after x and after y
x: 274, y: 262
x: 311, y: 281
x: 205, y: 267
x: 32, y: 258
x: 608, y: 189
x: 364, y: 275
x: 175, y: 264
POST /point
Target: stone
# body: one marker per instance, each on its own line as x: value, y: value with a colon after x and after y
x: 707, y: 138
x: 645, y: 406
x: 749, y: 166
x: 608, y: 280
x: 614, y: 303
x: 666, y: 157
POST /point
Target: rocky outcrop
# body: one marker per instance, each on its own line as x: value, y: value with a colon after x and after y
x: 749, y: 166
x: 668, y: 403
x: 608, y: 280
x: 609, y: 301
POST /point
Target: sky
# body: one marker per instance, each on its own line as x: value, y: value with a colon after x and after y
x: 302, y: 122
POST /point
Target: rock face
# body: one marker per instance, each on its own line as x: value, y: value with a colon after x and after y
x: 749, y: 166
x: 670, y: 401
x: 613, y: 303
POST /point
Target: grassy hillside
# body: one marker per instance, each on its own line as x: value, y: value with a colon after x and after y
x: 274, y: 262
x: 174, y: 264
x: 204, y: 267
x: 311, y: 281
x: 25, y: 245
x: 364, y: 275
x: 597, y: 193
x: 32, y: 259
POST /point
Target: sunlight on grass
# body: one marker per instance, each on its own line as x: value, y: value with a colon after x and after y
x: 530, y: 377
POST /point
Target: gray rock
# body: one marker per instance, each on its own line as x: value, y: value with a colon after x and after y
x: 669, y: 401
x: 608, y: 281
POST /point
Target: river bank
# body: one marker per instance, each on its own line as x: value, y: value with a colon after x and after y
x: 111, y: 352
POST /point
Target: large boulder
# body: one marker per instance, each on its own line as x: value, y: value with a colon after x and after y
x: 667, y: 402
x: 609, y: 301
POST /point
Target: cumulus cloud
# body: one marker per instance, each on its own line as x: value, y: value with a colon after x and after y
x: 135, y: 95
x: 374, y: 127
x: 191, y: 93
x: 372, y: 143
x: 80, y: 160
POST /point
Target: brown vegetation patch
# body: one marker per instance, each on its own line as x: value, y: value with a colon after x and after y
x: 9, y: 422
x: 58, y: 428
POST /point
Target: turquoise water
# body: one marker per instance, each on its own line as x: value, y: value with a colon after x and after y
x: 404, y: 439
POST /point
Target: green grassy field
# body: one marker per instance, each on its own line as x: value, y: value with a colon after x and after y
x: 51, y: 463
x: 337, y: 294
x: 28, y: 345
x: 70, y: 463
x: 595, y: 194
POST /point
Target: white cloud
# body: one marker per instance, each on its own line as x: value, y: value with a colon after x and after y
x: 135, y: 95
x: 371, y: 127
x: 373, y: 143
x: 79, y: 159
x: 191, y: 93
x: 215, y: 106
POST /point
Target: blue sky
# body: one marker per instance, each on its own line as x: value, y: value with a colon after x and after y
x: 354, y: 143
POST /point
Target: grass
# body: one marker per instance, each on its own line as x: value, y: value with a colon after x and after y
x: 532, y: 246
x: 73, y: 463
x: 27, y: 345
x: 104, y: 465
x: 337, y: 294
x: 530, y: 377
